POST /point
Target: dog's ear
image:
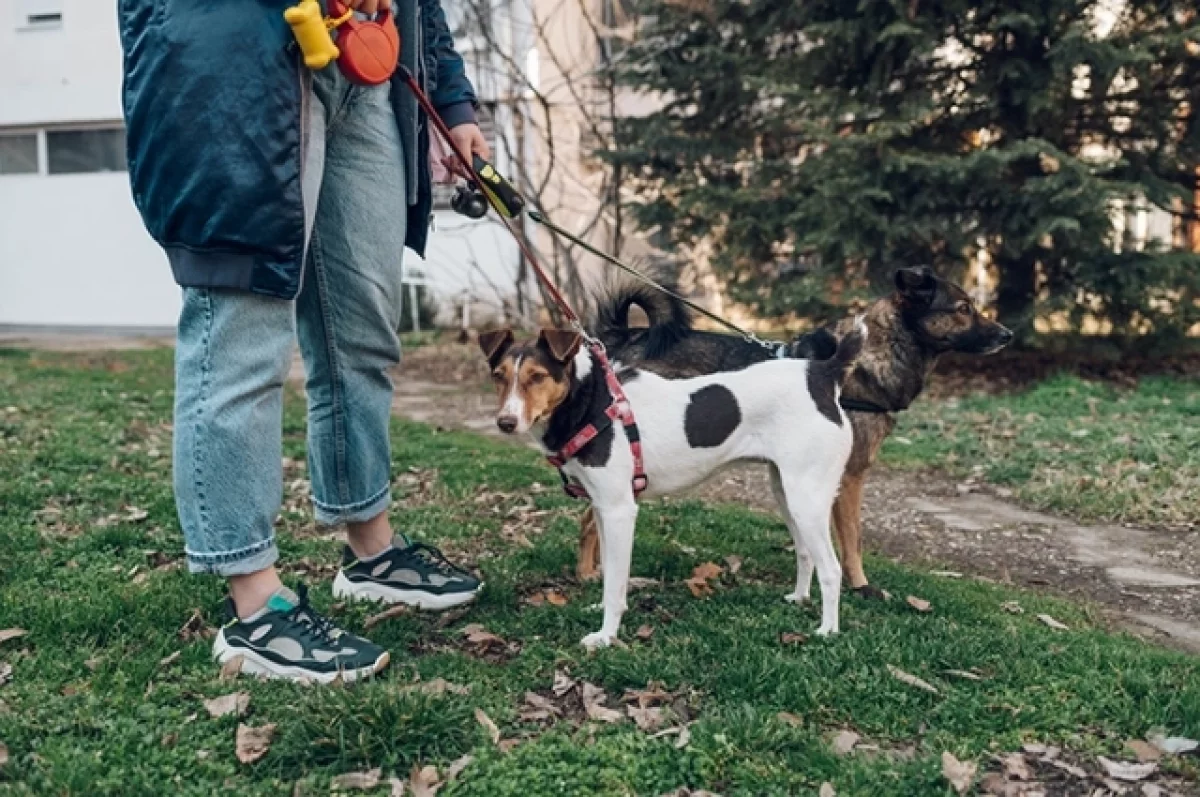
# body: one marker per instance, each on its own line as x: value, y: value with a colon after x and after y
x: 563, y: 343
x: 494, y: 343
x: 916, y: 285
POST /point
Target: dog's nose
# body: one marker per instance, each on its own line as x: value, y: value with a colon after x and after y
x: 1006, y: 335
x: 507, y: 423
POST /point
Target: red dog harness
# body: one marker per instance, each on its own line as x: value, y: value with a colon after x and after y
x: 619, y: 409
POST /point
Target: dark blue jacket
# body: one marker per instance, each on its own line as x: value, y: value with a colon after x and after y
x: 217, y: 115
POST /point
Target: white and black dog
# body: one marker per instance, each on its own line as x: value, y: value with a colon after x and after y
x: 784, y: 412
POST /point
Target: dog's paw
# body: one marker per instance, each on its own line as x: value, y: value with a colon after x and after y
x: 827, y: 630
x: 597, y: 641
x: 797, y: 598
x: 871, y: 592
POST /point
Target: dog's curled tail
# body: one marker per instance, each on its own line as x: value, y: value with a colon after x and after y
x: 837, y: 367
x: 669, y: 318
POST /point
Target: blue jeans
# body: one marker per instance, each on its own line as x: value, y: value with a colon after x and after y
x: 234, y: 350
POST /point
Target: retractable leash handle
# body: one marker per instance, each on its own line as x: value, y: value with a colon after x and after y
x: 493, y: 199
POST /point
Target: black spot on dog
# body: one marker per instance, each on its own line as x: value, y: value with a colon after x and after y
x: 712, y: 416
x: 822, y: 386
x: 596, y: 453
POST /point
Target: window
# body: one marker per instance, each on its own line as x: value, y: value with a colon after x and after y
x: 79, y: 151
x: 39, y: 14
x: 19, y: 153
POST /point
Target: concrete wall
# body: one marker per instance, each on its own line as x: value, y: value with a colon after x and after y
x: 73, y: 251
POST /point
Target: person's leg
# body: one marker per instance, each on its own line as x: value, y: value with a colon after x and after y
x: 348, y: 315
x: 231, y: 361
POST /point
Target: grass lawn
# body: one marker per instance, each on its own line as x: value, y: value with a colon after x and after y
x: 105, y: 692
x: 1086, y: 449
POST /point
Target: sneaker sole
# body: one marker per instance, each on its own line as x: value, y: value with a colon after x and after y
x: 255, y: 664
x: 345, y: 589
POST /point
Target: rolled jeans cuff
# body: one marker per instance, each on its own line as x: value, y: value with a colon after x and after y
x: 251, y: 559
x: 333, y: 514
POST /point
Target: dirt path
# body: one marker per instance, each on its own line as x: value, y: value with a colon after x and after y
x: 1149, y: 581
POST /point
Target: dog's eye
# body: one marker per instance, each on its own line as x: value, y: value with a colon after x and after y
x: 964, y: 308
x: 537, y: 378
x: 497, y: 376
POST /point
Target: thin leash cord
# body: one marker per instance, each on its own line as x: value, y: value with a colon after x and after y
x: 537, y: 217
x: 633, y: 272
x: 547, y: 283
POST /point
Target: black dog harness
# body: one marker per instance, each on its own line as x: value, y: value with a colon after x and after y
x: 618, y: 409
x: 854, y: 405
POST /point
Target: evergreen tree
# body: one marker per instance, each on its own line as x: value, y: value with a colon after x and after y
x: 819, y: 144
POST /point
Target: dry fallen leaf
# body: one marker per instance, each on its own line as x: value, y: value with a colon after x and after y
x: 960, y: 774
x: 476, y: 634
x: 538, y: 708
x: 555, y: 598
x: 967, y: 674
x: 1046, y: 752
x: 483, y: 719
x: 827, y: 790
x: 647, y: 719
x: 1050, y: 621
x: 707, y: 570
x: 699, y: 587
x: 392, y: 611
x: 455, y: 769
x: 563, y: 683
x: 791, y: 638
x: 1173, y: 745
x: 911, y: 680
x: 1070, y: 769
x: 231, y: 668
x: 11, y: 633
x: 232, y: 703
x: 1012, y: 607
x: 593, y: 702
x: 919, y: 604
x: 437, y: 687
x: 360, y: 781
x: 844, y: 741
x: 644, y: 632
x: 424, y: 782
x: 167, y: 661
x: 795, y: 720
x: 253, y: 743
x: 685, y: 736
x: 135, y: 515
x: 1016, y: 767
x: 1126, y: 771
x: 5, y: 672
x: 734, y: 563
x: 1143, y: 751
x: 3, y: 754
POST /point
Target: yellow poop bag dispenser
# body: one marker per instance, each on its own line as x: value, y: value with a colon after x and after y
x: 312, y: 33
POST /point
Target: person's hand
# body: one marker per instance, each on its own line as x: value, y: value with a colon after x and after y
x: 368, y: 7
x: 469, y: 138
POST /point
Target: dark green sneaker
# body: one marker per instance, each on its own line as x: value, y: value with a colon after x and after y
x: 412, y: 573
x: 288, y: 639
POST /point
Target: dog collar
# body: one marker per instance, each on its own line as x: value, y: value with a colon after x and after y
x: 854, y: 405
x: 619, y: 409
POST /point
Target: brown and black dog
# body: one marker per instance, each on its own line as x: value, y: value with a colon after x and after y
x: 924, y: 317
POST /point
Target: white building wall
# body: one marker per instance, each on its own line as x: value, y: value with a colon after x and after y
x: 73, y: 250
